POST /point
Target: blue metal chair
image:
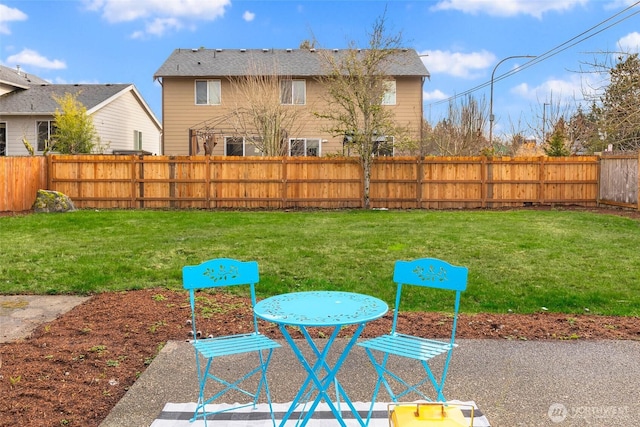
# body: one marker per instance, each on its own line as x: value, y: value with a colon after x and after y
x: 425, y: 272
x: 224, y: 272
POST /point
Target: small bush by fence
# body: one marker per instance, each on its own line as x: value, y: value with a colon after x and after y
x: 204, y: 182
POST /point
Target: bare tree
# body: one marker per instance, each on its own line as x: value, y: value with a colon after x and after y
x: 260, y: 115
x: 460, y: 133
x: 356, y: 82
x: 614, y: 115
x: 515, y: 142
x: 546, y: 115
x: 583, y: 132
x: 620, y: 114
x: 425, y: 145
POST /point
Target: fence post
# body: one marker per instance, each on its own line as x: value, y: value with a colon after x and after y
x: 172, y: 182
x: 598, y: 179
x: 484, y: 171
x: 541, y: 175
x: 207, y: 180
x: 283, y: 181
x: 419, y: 181
x: 48, y: 171
x: 134, y: 181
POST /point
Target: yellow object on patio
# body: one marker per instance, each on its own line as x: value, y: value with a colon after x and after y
x: 428, y: 414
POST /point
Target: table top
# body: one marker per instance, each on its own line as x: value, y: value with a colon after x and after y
x: 321, y: 308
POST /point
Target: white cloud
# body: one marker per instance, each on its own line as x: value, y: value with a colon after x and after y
x: 619, y: 4
x: 248, y: 16
x: 31, y: 57
x: 435, y: 95
x: 630, y: 43
x: 465, y: 65
x: 566, y: 90
x: 162, y: 15
x: 9, y: 14
x: 158, y: 27
x: 508, y: 7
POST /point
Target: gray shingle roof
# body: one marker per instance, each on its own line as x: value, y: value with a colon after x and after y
x: 40, y: 100
x: 285, y: 62
x: 18, y: 78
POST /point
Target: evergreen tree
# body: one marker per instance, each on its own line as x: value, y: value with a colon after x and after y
x: 557, y: 146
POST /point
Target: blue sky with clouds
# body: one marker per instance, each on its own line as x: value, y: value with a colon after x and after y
x: 126, y: 41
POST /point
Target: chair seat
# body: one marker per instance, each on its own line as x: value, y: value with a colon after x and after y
x: 234, y: 344
x: 408, y: 346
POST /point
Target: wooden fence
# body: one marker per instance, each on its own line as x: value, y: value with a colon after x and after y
x: 20, y: 179
x: 619, y: 181
x: 205, y: 182
x: 202, y: 182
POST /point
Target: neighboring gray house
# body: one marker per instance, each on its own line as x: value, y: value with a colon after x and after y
x: 122, y: 118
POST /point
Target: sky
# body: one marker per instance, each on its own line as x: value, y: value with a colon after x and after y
x: 463, y: 43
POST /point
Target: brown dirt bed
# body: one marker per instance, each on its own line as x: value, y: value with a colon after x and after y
x: 73, y: 370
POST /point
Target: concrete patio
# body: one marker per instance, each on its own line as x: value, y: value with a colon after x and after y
x: 514, y: 383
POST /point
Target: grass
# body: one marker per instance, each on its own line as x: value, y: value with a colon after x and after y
x: 566, y: 261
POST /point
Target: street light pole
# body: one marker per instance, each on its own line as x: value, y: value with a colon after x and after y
x: 544, y: 118
x: 491, y: 117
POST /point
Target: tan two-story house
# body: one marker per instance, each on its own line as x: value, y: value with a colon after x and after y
x: 206, y: 109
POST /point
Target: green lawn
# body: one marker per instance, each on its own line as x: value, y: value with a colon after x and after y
x: 521, y: 261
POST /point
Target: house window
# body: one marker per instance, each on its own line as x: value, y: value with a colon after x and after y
x: 44, y: 130
x: 239, y: 146
x: 389, y: 97
x: 303, y: 147
x: 208, y: 92
x: 293, y: 92
x: 3, y: 139
x: 137, y: 140
x: 233, y: 146
x: 252, y: 146
x: 383, y: 146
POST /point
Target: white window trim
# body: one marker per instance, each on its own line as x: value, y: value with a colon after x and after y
x: 294, y: 93
x: 306, y: 148
x: 137, y: 140
x: 215, y: 82
x: 245, y: 144
x: 390, y: 91
x: 50, y: 124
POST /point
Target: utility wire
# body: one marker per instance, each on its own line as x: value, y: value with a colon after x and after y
x: 548, y: 54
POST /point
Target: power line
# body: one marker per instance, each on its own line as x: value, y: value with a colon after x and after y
x: 548, y: 54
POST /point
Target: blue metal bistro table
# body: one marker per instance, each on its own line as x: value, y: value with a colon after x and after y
x: 321, y: 309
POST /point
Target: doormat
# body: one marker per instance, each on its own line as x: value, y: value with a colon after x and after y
x: 179, y: 414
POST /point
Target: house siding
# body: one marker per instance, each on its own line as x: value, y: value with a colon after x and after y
x: 117, y: 121
x: 180, y: 113
x: 19, y: 127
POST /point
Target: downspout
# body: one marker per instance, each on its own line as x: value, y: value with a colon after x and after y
x: 159, y: 79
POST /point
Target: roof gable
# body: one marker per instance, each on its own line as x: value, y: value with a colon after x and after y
x: 40, y: 99
x: 282, y: 62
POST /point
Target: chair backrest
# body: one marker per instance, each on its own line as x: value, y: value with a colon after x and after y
x: 219, y: 272
x: 431, y: 273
